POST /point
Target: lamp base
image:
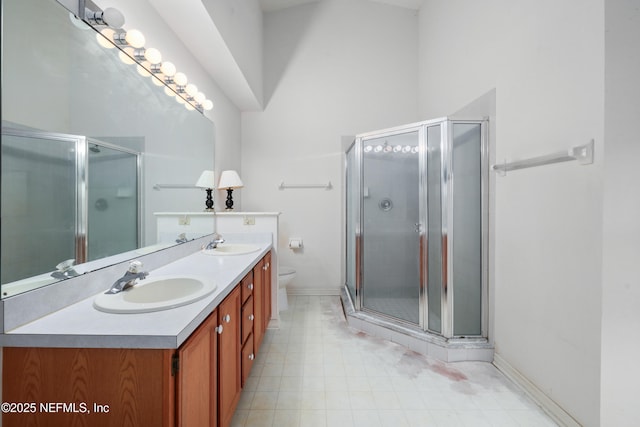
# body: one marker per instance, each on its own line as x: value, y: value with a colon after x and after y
x: 209, y: 202
x: 229, y: 202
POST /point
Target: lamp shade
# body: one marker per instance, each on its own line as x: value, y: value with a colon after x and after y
x: 230, y: 179
x: 206, y: 180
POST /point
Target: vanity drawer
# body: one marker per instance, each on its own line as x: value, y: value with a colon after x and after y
x: 247, y: 286
x: 247, y: 319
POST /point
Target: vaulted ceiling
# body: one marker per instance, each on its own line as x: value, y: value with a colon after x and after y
x: 270, y: 5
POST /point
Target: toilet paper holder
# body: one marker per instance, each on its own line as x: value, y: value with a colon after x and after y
x: 295, y: 243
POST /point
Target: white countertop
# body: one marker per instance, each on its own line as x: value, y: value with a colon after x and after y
x: 81, y: 325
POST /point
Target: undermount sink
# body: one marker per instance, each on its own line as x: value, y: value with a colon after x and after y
x: 155, y: 294
x: 232, y: 249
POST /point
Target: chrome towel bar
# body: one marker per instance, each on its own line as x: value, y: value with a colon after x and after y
x: 284, y: 186
x: 582, y: 153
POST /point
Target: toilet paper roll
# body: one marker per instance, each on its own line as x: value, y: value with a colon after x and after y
x: 295, y: 243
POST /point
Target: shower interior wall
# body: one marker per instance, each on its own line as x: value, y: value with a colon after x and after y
x: 390, y: 247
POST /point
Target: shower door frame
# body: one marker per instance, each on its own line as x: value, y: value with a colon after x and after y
x: 447, y: 228
x: 81, y: 189
x: 360, y: 288
x: 139, y: 174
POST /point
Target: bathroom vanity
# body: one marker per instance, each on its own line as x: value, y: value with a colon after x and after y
x: 184, y: 366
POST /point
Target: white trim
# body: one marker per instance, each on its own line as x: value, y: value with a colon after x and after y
x: 313, y: 291
x: 552, y: 409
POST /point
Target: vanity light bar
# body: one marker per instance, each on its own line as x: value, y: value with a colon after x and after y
x: 147, y: 60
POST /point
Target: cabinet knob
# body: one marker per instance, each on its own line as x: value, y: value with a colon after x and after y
x: 250, y: 286
x: 251, y: 317
x: 251, y: 356
x: 219, y: 329
x: 227, y: 318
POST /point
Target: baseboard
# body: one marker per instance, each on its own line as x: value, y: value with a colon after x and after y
x: 552, y: 409
x: 313, y: 291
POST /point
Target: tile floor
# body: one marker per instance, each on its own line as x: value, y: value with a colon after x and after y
x: 316, y: 371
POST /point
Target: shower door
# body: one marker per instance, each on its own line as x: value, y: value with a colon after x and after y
x: 113, y: 202
x: 391, y: 226
x: 41, y: 186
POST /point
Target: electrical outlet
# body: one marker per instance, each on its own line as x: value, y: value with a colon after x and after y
x: 184, y: 220
x: 249, y: 220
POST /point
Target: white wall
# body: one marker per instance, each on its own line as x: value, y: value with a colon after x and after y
x: 621, y: 243
x: 332, y: 68
x: 240, y: 24
x: 226, y: 116
x: 546, y: 62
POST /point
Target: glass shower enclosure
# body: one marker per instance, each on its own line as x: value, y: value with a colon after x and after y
x: 65, y: 197
x: 416, y: 226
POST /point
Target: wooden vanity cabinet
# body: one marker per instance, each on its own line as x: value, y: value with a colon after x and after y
x: 266, y: 280
x: 248, y: 317
x: 229, y: 368
x: 197, y: 385
x: 196, y: 367
x: 90, y: 387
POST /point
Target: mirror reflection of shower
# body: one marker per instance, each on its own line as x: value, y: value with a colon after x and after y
x: 64, y: 197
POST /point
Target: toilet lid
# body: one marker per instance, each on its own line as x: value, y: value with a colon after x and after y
x: 285, y: 271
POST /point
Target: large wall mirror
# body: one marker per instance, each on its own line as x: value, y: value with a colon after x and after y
x: 87, y: 145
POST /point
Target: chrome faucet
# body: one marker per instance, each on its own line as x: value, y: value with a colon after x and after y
x: 129, y: 278
x: 217, y: 239
x: 65, y: 270
x: 182, y: 238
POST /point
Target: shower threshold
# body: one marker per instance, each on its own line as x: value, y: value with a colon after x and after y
x: 423, y: 342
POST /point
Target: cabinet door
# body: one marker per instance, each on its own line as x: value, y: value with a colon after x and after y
x: 229, y: 356
x: 247, y: 359
x: 196, y: 379
x: 258, y: 305
x: 100, y: 387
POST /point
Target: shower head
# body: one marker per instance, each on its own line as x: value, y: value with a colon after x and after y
x: 94, y: 148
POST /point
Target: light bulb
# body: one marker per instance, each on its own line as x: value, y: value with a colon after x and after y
x: 406, y: 149
x: 189, y: 107
x: 153, y: 55
x: 135, y: 38
x: 397, y: 149
x: 179, y: 100
x: 112, y: 17
x: 157, y: 80
x: 199, y: 97
x: 168, y: 91
x: 368, y: 149
x: 207, y: 104
x: 378, y: 149
x: 191, y: 89
x: 124, y: 56
x: 180, y: 79
x: 415, y: 150
x: 142, y: 71
x: 105, y: 38
x: 168, y: 69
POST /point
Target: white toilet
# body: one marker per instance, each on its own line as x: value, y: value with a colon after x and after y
x: 285, y: 276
